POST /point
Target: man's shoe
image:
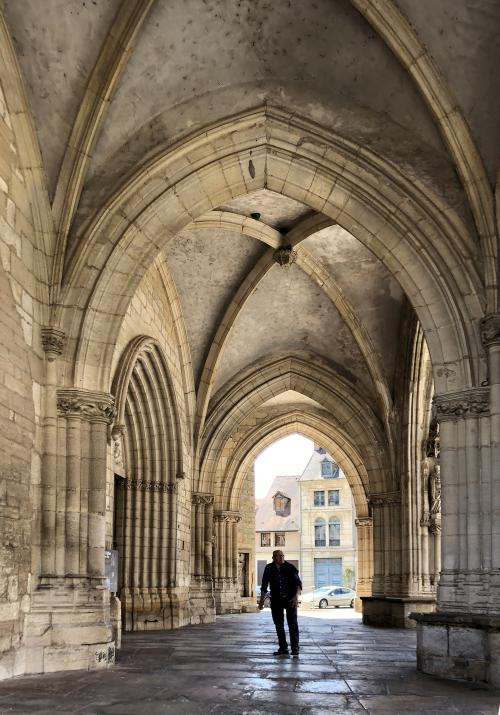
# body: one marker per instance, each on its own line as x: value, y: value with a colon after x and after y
x: 295, y: 651
x: 281, y: 651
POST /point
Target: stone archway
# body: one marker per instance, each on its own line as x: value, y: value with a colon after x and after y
x: 148, y: 455
x: 414, y: 234
x: 400, y: 222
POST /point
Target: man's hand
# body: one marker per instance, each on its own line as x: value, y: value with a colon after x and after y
x: 295, y: 600
x: 261, y: 603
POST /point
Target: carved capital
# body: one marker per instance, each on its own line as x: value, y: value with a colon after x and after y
x: 229, y: 517
x: 145, y: 486
x: 385, y: 498
x: 490, y: 329
x: 118, y: 430
x: 53, y: 341
x: 202, y: 499
x: 91, y: 406
x: 465, y: 403
x: 363, y: 521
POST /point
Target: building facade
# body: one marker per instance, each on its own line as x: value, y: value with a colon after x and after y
x: 312, y: 518
x: 328, y: 532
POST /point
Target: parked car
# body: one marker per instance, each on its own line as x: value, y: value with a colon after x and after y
x: 267, y: 600
x: 329, y: 596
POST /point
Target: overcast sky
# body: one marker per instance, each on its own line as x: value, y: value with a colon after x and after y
x: 285, y: 456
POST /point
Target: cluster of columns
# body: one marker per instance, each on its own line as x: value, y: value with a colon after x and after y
x: 69, y: 601
x: 202, y: 515
x: 226, y: 561
x: 146, y: 544
x: 462, y: 639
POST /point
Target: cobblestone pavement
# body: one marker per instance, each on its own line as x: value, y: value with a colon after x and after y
x: 227, y: 668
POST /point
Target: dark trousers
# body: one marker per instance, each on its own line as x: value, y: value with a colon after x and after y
x: 278, y: 608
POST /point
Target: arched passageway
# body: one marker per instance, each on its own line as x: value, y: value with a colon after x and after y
x: 198, y: 274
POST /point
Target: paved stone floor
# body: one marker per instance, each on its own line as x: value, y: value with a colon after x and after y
x: 227, y: 668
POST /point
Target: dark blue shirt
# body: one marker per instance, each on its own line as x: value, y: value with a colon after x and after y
x: 284, y: 581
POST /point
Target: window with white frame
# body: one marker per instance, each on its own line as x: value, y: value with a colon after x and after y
x: 320, y: 532
x: 265, y: 538
x: 279, y: 538
x: 333, y: 497
x: 334, y: 531
x: 319, y: 498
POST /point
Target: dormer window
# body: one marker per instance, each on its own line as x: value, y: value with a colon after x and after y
x: 329, y: 470
x: 281, y: 504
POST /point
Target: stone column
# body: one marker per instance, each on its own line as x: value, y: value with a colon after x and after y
x: 462, y: 639
x: 226, y: 592
x: 364, y: 571
x: 201, y: 543
x: 390, y: 603
x: 148, y: 597
x: 70, y: 620
x: 53, y: 344
x: 201, y: 597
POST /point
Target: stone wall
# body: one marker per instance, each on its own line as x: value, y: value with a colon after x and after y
x: 21, y: 394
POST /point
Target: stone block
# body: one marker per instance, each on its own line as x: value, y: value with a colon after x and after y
x: 494, y: 643
x: 29, y: 661
x: 494, y: 675
x: 66, y: 658
x: 73, y: 635
x: 467, y: 643
x: 102, y: 657
x: 434, y: 640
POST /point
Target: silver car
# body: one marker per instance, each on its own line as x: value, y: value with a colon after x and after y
x: 329, y: 596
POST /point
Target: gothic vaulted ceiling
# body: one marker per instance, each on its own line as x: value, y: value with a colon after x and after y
x: 163, y: 69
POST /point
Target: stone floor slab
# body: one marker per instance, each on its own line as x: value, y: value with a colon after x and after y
x: 227, y: 668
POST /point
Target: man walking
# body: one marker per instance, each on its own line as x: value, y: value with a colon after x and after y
x: 285, y: 583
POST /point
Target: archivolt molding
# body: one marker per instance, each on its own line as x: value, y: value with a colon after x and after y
x: 157, y: 391
x: 321, y: 428
x: 416, y: 235
x: 103, y: 81
x: 266, y: 379
x: 395, y: 30
x: 350, y: 418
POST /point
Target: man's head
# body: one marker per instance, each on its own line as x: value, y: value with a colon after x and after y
x: 278, y: 557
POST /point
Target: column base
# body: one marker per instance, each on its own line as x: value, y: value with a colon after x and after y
x: 68, y: 627
x: 394, y: 612
x: 227, y: 596
x: 459, y: 646
x: 201, y: 600
x: 154, y: 609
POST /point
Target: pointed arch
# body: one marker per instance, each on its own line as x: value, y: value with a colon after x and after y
x: 420, y: 239
x: 318, y: 426
x: 143, y: 368
x: 401, y: 38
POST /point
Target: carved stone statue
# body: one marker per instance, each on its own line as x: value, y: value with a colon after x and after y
x: 435, y: 490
